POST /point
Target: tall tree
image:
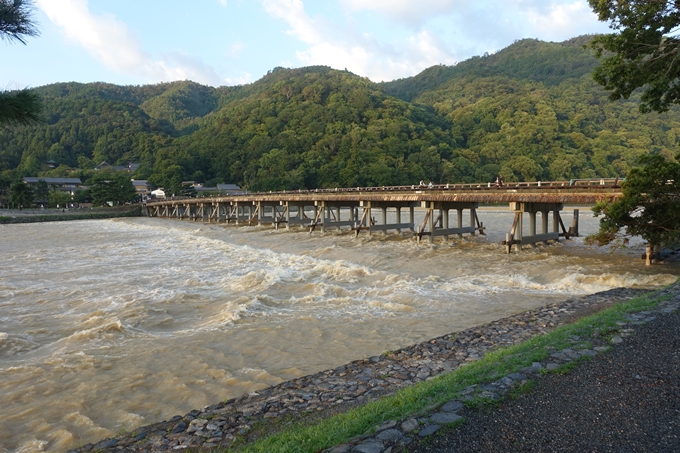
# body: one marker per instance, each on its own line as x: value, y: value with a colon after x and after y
x: 115, y: 188
x: 16, y: 23
x: 42, y: 191
x: 649, y: 207
x: 644, y: 51
x: 20, y: 194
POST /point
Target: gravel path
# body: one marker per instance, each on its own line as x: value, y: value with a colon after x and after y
x: 626, y: 400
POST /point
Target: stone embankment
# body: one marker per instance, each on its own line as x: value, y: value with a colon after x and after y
x: 60, y: 215
x: 332, y: 391
x: 409, y: 434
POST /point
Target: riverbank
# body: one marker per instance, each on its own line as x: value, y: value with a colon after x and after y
x: 11, y: 216
x: 321, y: 395
x: 624, y: 398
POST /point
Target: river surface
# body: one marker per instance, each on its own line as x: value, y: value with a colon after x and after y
x: 111, y: 324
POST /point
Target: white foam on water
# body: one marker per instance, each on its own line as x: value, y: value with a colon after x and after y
x: 102, y: 308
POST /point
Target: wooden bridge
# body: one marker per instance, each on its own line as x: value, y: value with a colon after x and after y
x: 353, y: 208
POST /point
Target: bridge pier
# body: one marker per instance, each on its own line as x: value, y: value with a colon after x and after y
x: 328, y: 214
x: 516, y: 238
x: 366, y: 223
x: 440, y: 226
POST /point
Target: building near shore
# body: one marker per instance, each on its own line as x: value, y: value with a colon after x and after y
x: 69, y: 185
x: 143, y: 188
x: 158, y: 193
x: 229, y: 189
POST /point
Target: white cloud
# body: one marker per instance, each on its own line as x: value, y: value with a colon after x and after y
x: 223, y: 2
x: 293, y: 12
x: 244, y: 79
x: 109, y: 41
x: 360, y: 53
x: 405, y: 11
x: 235, y: 50
x: 562, y: 21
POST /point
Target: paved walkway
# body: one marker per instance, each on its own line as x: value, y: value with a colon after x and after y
x: 626, y: 400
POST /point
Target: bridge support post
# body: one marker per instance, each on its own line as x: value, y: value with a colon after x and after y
x: 473, y: 217
x: 384, y: 218
x: 440, y: 225
x: 288, y: 215
x: 518, y: 234
x: 430, y: 222
x: 515, y: 237
x: 459, y: 223
x: 398, y: 214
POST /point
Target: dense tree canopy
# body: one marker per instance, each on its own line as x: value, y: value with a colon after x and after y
x: 114, y: 188
x: 643, y: 51
x: 20, y: 195
x: 649, y: 207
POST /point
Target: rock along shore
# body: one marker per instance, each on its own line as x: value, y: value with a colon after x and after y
x: 332, y: 391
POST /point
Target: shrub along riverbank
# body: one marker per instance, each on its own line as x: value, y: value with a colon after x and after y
x: 56, y: 215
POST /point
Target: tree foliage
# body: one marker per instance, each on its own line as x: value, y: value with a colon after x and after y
x: 109, y: 187
x: 649, y: 207
x: 643, y: 51
x: 15, y: 20
x: 21, y: 195
x: 42, y: 191
x: 18, y: 107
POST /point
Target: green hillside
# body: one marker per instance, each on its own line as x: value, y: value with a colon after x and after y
x: 547, y: 62
x: 528, y: 112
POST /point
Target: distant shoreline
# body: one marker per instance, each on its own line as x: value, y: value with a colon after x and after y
x: 8, y: 217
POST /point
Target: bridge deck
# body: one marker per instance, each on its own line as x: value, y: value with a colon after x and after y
x: 565, y: 192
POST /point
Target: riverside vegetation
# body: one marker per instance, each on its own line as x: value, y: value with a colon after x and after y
x: 529, y: 112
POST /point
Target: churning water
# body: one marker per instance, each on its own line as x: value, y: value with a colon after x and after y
x: 108, y: 325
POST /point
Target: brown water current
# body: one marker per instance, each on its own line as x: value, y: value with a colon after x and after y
x: 108, y: 325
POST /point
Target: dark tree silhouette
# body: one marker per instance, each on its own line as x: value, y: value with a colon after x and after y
x: 16, y: 23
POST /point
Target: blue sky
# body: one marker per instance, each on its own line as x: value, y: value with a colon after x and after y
x: 231, y: 42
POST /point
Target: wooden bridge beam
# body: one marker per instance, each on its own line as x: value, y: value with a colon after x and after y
x: 439, y: 226
x: 516, y: 238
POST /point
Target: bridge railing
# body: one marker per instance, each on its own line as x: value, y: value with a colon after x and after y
x: 602, y: 182
x: 570, y: 184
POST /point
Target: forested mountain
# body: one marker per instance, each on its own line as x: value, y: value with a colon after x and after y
x: 531, y: 59
x: 528, y: 112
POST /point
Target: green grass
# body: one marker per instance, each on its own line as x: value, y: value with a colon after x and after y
x: 521, y: 389
x: 364, y: 419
